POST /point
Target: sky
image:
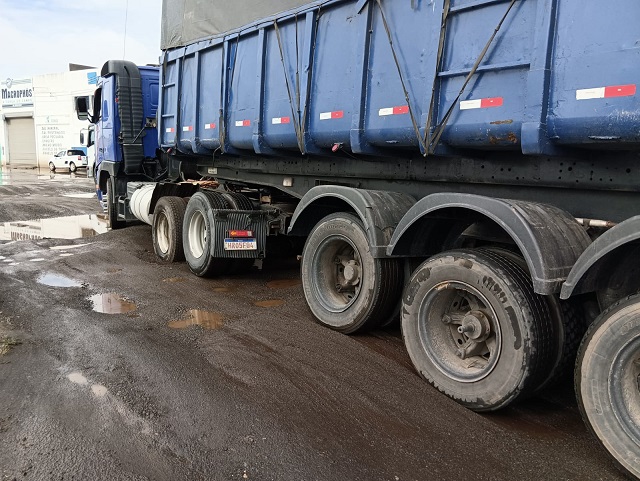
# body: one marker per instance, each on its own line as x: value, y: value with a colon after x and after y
x: 44, y: 36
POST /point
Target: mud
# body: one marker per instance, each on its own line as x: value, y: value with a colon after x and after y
x: 283, y: 283
x: 269, y: 303
x: 247, y: 393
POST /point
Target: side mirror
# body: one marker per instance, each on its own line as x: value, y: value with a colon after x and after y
x: 82, y: 108
x: 81, y: 138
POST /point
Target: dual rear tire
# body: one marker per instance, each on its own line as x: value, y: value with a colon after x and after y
x: 472, y: 324
x: 475, y: 329
x: 199, y: 233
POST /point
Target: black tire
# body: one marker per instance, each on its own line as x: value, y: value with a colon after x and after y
x: 567, y: 327
x: 52, y: 167
x: 345, y: 287
x: 72, y: 167
x: 166, y: 231
x: 237, y: 201
x: 475, y: 329
x: 198, y: 235
x: 112, y: 207
x: 607, y: 382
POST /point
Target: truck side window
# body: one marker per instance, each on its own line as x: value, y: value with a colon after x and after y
x: 97, y: 102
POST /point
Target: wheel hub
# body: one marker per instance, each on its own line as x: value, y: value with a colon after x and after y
x: 465, y: 344
x: 475, y: 326
x: 351, y: 274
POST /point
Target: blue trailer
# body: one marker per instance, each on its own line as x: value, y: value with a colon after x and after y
x: 469, y: 166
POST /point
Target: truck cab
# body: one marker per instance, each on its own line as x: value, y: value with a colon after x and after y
x: 123, y: 118
x: 124, y: 115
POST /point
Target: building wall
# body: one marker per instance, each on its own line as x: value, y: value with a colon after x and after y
x: 56, y: 123
x: 52, y: 106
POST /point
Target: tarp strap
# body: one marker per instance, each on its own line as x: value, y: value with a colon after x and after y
x: 443, y: 33
x: 223, y: 124
x: 402, y: 81
x: 433, y: 142
x: 293, y: 102
x: 312, y: 56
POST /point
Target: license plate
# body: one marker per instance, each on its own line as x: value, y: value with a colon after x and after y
x: 240, y: 245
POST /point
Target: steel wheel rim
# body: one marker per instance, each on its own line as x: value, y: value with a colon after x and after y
x: 197, y: 234
x: 441, y: 339
x: 162, y: 229
x: 624, y: 388
x: 325, y: 284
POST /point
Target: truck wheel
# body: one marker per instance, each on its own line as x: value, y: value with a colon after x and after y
x: 345, y: 287
x: 112, y: 207
x: 52, y: 167
x: 607, y: 381
x: 198, y: 234
x: 167, y: 228
x: 567, y: 327
x: 237, y: 201
x: 72, y: 167
x: 475, y: 329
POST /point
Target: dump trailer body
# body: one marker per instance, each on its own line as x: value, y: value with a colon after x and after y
x: 383, y: 78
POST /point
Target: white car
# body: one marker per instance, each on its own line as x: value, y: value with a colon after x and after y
x: 71, y: 159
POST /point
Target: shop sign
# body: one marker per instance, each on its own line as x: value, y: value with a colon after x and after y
x: 17, y: 93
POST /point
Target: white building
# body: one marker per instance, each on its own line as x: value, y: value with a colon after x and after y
x: 37, y: 116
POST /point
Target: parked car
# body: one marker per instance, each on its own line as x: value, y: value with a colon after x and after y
x: 71, y: 159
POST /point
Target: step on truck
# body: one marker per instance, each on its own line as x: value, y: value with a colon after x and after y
x: 469, y: 167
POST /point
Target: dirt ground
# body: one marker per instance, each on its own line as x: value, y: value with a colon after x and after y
x: 183, y: 378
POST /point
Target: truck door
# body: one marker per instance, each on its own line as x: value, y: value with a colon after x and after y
x: 104, y: 126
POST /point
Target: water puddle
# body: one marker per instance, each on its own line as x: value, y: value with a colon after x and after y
x: 56, y: 280
x: 58, y: 177
x: 99, y: 390
x: 81, y: 195
x: 77, y: 378
x: 174, y: 279
x: 204, y: 319
x: 71, y: 227
x: 269, y: 303
x: 283, y: 283
x: 111, y: 304
x: 67, y: 247
x: 223, y: 289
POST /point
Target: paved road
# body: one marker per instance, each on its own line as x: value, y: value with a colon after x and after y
x: 226, y: 379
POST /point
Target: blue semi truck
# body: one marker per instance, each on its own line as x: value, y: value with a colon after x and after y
x: 470, y: 167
